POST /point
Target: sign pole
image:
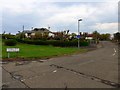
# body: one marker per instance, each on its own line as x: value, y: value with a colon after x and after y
x: 8, y: 55
x: 12, y: 50
x: 17, y: 54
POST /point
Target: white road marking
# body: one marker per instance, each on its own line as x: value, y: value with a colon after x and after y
x: 55, y: 71
x: 23, y: 80
x: 115, y: 50
x: 113, y: 54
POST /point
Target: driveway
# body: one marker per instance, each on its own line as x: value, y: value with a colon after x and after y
x: 94, y: 69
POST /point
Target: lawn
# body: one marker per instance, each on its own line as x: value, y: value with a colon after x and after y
x: 39, y: 51
x: 0, y: 48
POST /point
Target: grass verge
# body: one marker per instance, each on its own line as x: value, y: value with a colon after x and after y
x: 39, y: 51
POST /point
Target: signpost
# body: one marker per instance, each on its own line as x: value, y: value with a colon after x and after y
x: 12, y: 50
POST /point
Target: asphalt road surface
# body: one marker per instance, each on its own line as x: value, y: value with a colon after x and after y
x: 94, y: 69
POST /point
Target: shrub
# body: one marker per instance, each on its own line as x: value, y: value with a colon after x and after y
x: 8, y: 36
x: 10, y: 42
x: 84, y: 43
x: 60, y: 43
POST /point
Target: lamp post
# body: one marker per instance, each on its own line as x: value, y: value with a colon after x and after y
x: 79, y: 34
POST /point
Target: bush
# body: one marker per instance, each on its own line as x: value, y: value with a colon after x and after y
x: 8, y: 36
x: 10, y: 42
x: 60, y: 43
x: 84, y: 43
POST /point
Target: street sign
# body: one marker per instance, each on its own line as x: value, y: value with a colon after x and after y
x: 12, y: 50
x: 78, y: 36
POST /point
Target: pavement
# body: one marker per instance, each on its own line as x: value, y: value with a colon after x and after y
x: 94, y: 69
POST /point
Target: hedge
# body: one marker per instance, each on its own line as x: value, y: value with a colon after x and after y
x: 10, y: 42
x: 55, y: 43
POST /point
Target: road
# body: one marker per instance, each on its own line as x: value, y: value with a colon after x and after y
x: 94, y: 69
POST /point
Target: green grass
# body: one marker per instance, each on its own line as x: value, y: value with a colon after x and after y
x: 0, y: 48
x: 39, y: 51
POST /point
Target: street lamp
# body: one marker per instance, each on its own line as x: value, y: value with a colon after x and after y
x: 79, y: 34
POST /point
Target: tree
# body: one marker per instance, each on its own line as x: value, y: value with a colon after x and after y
x: 105, y: 36
x: 96, y: 36
x: 117, y: 36
x: 59, y: 35
x: 73, y: 35
x: 8, y: 36
x: 68, y: 32
x: 85, y: 35
x: 21, y: 35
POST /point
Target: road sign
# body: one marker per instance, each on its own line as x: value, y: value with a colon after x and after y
x: 12, y: 50
x: 78, y: 36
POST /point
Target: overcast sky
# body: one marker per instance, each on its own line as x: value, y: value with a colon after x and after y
x: 100, y: 15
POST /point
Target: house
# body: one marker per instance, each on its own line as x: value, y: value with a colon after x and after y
x: 27, y: 33
x: 30, y: 33
x: 89, y: 36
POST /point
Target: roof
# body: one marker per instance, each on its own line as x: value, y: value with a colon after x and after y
x: 27, y: 31
x: 42, y: 30
x: 90, y: 35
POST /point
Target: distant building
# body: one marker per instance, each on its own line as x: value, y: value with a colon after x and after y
x: 89, y: 36
x: 30, y: 33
